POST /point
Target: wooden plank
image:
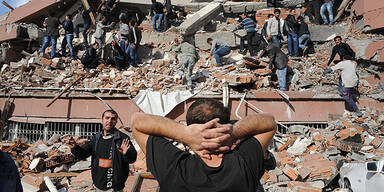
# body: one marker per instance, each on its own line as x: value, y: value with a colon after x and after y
x: 62, y: 174
x: 86, y: 6
x: 291, y: 140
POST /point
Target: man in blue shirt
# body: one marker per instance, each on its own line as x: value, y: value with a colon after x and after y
x: 249, y: 25
x: 157, y: 14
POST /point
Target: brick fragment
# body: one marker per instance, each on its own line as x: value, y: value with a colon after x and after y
x: 290, y: 172
x: 376, y: 142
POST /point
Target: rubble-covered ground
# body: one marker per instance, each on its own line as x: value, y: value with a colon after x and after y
x: 308, y: 159
x: 35, y: 73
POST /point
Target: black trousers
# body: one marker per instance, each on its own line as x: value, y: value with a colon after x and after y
x: 313, y: 11
x: 249, y: 37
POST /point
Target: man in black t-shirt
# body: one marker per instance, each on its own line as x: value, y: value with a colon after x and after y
x: 111, y: 152
x: 213, y: 167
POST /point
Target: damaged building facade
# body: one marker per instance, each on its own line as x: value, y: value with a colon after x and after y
x: 45, y: 101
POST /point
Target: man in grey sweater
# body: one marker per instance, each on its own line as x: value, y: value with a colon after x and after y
x: 219, y: 48
x: 187, y: 60
x: 277, y: 59
x: 101, y: 29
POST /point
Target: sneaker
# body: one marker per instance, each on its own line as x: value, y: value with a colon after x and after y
x: 358, y: 113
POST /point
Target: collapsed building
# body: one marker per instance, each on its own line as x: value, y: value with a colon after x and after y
x: 45, y: 101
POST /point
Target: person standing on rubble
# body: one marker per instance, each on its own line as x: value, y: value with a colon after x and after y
x: 342, y: 49
x: 90, y: 59
x: 134, y: 42
x: 188, y: 60
x: 101, y: 29
x: 9, y: 174
x: 313, y: 11
x: 111, y: 151
x: 275, y: 28
x: 327, y: 6
x: 226, y: 157
x: 67, y: 40
x: 291, y: 29
x: 249, y: 25
x: 86, y: 24
x: 52, y: 33
x: 348, y: 82
x: 157, y: 14
x: 124, y: 31
x: 277, y: 59
x: 219, y: 48
x: 304, y: 35
x: 264, y: 30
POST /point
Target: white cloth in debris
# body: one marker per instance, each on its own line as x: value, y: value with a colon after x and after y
x: 154, y: 103
x: 348, y: 73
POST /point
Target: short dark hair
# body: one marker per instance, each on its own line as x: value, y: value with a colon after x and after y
x: 276, y: 11
x: 109, y: 111
x: 95, y: 43
x: 209, y: 39
x: 132, y: 22
x: 69, y: 16
x: 337, y: 37
x: 80, y: 8
x: 204, y: 110
x: 270, y: 15
x: 153, y: 1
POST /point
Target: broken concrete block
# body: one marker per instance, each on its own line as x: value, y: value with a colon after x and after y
x: 31, y: 183
x: 62, y: 168
x: 37, y: 164
x: 80, y: 166
x: 54, y: 139
x: 322, y: 32
x: 200, y: 18
x: 299, y: 147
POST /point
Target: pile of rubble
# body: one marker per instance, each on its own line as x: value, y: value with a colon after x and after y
x: 309, y: 159
x: 42, y: 163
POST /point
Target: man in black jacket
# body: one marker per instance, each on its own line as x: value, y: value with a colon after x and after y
x: 341, y: 49
x: 304, y: 35
x: 52, y: 33
x: 90, y: 59
x: 291, y: 29
x: 111, y: 152
x: 134, y: 39
x: 67, y: 40
x: 277, y: 59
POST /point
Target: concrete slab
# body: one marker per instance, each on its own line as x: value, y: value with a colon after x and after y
x: 241, y: 7
x: 200, y: 18
x: 322, y: 32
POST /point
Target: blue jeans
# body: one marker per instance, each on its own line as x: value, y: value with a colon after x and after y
x: 276, y: 40
x: 67, y: 40
x: 293, y: 39
x: 132, y: 53
x: 303, y: 40
x: 282, y: 78
x: 46, y: 40
x: 122, y: 45
x: 157, y: 17
x: 221, y: 52
x: 86, y: 27
x: 347, y: 95
x: 327, y: 6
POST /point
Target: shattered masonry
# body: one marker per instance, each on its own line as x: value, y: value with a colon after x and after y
x: 308, y: 158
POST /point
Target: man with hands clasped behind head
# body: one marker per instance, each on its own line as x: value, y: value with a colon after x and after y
x: 111, y: 152
x: 227, y: 157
